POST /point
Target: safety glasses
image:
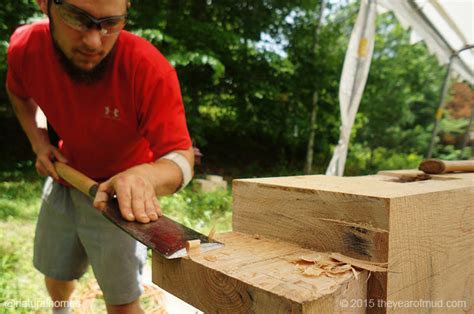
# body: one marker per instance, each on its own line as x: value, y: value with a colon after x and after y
x: 81, y: 21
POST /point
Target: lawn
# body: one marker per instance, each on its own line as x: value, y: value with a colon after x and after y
x: 20, y: 191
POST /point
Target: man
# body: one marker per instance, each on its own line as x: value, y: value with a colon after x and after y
x: 115, y: 103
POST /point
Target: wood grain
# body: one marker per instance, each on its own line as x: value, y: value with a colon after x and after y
x: 250, y: 275
x: 327, y: 221
x: 424, y: 229
x: 431, y: 245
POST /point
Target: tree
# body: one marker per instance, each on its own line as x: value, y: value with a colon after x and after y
x: 250, y: 73
x: 12, y: 14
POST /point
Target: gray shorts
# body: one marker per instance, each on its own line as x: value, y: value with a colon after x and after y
x: 70, y: 234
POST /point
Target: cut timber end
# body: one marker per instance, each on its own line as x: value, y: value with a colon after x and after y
x: 251, y: 275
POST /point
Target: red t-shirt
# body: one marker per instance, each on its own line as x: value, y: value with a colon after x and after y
x: 134, y: 115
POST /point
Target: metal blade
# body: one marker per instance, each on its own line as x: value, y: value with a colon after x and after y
x: 164, y: 236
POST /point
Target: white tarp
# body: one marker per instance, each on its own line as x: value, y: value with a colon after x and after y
x: 353, y: 79
x: 444, y: 25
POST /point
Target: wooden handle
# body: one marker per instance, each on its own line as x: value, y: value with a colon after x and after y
x: 78, y: 180
x: 436, y: 166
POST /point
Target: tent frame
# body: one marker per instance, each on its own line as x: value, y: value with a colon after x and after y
x: 444, y: 92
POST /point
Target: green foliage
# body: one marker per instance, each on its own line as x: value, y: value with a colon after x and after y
x: 452, y: 131
x: 236, y: 93
x: 454, y: 126
x: 450, y: 152
x: 402, y: 92
x: 362, y: 160
x: 13, y: 13
x: 200, y: 211
x: 258, y: 100
x: 249, y: 69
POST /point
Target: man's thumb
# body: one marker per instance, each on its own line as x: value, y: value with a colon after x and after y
x: 102, y: 195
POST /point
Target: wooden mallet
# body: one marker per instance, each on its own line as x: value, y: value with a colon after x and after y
x: 437, y: 166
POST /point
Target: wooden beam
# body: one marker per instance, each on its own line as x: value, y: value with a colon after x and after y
x: 423, y: 229
x: 313, y: 211
x: 253, y: 274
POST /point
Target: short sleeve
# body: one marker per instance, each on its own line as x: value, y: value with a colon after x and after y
x: 162, y: 120
x: 14, y: 61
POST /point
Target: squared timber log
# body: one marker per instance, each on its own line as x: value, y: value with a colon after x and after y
x: 252, y: 274
x: 423, y: 228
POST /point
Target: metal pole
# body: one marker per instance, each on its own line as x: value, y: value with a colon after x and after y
x: 439, y: 110
x: 444, y: 91
x: 467, y: 135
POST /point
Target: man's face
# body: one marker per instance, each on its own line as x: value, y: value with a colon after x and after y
x: 85, y: 49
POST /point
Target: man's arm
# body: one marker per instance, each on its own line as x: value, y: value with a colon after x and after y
x: 138, y: 187
x: 33, y: 122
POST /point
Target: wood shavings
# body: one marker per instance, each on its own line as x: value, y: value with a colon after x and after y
x: 411, y: 178
x: 355, y: 273
x: 311, y: 271
x: 339, y: 269
x: 212, y: 233
x: 193, y: 244
x: 331, y: 275
x: 323, y: 260
x: 333, y: 265
x: 300, y: 261
x: 371, y: 266
x: 320, y: 264
x: 210, y: 258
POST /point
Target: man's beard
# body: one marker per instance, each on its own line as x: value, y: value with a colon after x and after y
x: 77, y: 74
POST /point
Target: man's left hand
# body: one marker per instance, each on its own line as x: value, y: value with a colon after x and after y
x: 135, y: 194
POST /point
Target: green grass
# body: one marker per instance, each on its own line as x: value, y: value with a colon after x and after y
x: 18, y: 279
x: 20, y: 191
x: 20, y: 198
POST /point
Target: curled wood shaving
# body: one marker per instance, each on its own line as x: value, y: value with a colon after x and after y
x: 210, y: 258
x: 212, y: 233
x: 333, y: 265
x: 300, y: 261
x: 339, y: 269
x: 355, y: 273
x: 321, y: 260
x: 320, y: 264
x: 331, y: 275
x: 371, y: 266
x: 193, y: 244
x: 312, y: 271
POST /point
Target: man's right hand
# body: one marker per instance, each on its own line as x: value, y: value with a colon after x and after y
x: 46, y: 155
x: 33, y: 122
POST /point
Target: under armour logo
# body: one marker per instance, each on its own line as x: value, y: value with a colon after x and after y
x: 111, y: 112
